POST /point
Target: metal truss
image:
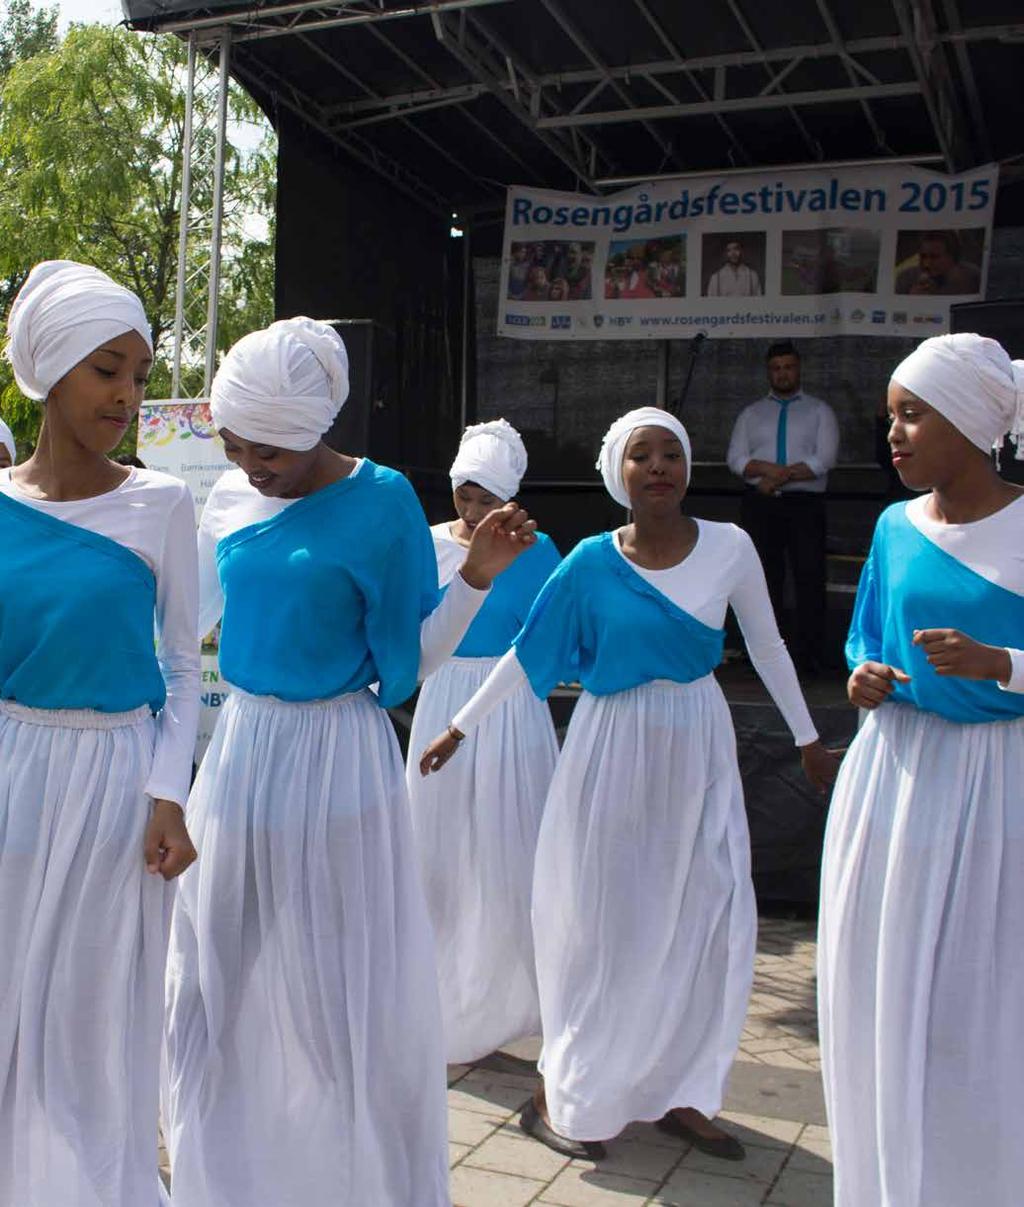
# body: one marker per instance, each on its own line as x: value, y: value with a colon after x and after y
x: 201, y: 222
x: 538, y: 95
x: 305, y: 16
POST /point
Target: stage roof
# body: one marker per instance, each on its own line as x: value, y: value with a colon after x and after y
x: 455, y: 99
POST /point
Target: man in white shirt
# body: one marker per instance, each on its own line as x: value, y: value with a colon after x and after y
x: 783, y: 446
x: 734, y: 279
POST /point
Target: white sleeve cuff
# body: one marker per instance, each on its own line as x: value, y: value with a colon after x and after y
x: 1015, y: 683
x: 175, y: 790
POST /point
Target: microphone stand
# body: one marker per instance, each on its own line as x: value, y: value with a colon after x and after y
x: 696, y: 344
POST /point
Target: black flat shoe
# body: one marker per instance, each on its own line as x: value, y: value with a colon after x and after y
x: 726, y: 1148
x: 583, y: 1150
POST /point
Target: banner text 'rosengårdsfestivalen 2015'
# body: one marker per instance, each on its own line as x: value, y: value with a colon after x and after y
x: 863, y: 250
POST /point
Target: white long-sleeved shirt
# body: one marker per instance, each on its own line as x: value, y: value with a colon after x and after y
x: 722, y: 570
x: 993, y: 548
x: 739, y: 282
x: 233, y: 503
x: 152, y: 514
x: 812, y: 436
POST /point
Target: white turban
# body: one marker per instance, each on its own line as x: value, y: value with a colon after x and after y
x: 972, y: 382
x: 7, y: 439
x: 64, y: 311
x: 283, y: 385
x: 493, y: 456
x: 613, y: 446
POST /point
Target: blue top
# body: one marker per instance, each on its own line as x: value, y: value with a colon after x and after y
x: 76, y: 617
x: 909, y: 583
x: 597, y: 620
x: 508, y: 604
x: 328, y: 596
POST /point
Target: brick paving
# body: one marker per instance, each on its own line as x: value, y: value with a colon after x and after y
x: 773, y: 1105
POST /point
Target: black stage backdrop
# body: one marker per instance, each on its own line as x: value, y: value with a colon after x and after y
x: 351, y: 247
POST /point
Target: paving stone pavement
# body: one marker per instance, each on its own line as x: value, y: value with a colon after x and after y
x: 773, y: 1104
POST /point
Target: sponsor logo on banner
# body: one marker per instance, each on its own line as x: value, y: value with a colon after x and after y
x: 804, y: 251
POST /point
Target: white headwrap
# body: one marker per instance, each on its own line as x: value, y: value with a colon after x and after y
x: 972, y: 382
x: 493, y: 456
x: 64, y: 311
x: 283, y: 385
x: 613, y: 446
x: 7, y: 439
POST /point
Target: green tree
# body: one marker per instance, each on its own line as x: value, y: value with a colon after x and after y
x: 91, y: 136
x: 25, y: 31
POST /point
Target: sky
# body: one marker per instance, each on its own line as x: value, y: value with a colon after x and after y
x: 108, y: 12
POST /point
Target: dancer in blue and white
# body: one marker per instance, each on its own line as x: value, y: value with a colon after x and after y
x: 476, y: 824
x: 921, y: 981
x: 643, y: 911
x: 305, y: 1054
x: 97, y: 732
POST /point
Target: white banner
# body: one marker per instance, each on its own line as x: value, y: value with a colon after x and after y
x: 866, y: 251
x: 180, y: 439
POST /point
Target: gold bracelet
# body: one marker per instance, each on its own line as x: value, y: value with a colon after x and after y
x: 454, y: 734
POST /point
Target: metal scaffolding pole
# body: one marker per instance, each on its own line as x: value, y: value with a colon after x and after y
x: 186, y: 201
x: 200, y: 236
x: 218, y: 209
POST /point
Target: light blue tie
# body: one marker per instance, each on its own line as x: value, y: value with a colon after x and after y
x: 780, y: 431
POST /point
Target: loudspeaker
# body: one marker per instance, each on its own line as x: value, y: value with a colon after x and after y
x: 1003, y: 321
x: 368, y: 425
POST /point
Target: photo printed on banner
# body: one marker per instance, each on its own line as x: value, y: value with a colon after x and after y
x: 646, y: 268
x: 733, y: 264
x: 834, y: 260
x: 550, y: 270
x: 939, y: 262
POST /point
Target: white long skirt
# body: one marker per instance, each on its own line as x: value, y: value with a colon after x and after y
x: 476, y: 824
x: 644, y: 918
x: 304, y: 1051
x: 83, y: 931
x: 921, y: 975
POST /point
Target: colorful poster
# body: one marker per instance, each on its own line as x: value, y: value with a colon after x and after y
x: 179, y: 438
x: 868, y: 251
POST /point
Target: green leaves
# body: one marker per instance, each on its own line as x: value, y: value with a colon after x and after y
x: 91, y: 134
x: 25, y: 31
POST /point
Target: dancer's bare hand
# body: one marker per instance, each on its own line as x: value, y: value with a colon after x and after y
x: 439, y: 752
x: 168, y: 848
x: 497, y: 541
x: 821, y: 765
x: 951, y: 652
x: 872, y: 683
